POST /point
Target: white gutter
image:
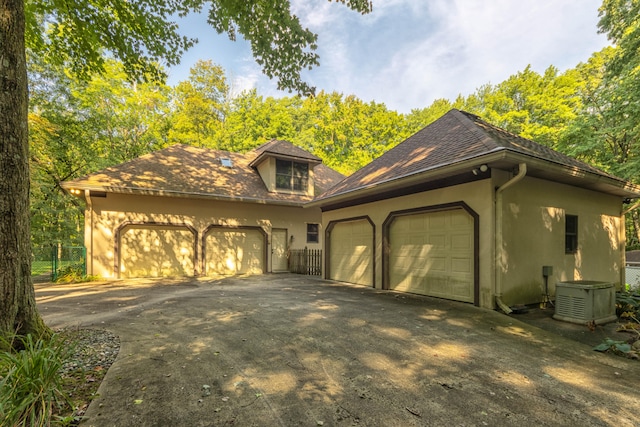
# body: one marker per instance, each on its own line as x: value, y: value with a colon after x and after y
x: 522, y: 171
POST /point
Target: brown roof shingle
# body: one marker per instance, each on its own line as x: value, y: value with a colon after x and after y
x: 281, y: 148
x: 455, y: 137
x: 182, y: 170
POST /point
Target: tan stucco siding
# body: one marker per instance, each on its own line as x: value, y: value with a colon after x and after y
x: 113, y: 213
x: 534, y: 236
x: 477, y: 195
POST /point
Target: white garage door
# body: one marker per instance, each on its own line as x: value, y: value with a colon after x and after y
x: 234, y: 251
x: 432, y: 254
x: 351, y: 252
x: 156, y: 251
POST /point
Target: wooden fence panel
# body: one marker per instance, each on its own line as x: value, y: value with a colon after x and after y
x: 306, y: 261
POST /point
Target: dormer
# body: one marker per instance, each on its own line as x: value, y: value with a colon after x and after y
x: 285, y: 168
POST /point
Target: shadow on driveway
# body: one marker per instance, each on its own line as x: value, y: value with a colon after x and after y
x: 292, y: 350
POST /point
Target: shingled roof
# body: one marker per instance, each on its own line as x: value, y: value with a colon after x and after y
x: 457, y: 137
x: 186, y: 171
x: 285, y: 149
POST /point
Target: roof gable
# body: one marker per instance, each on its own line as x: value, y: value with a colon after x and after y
x: 183, y: 170
x: 282, y: 149
x: 456, y: 138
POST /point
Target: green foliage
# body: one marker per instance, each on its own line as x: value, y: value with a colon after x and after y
x: 200, y: 107
x: 142, y: 34
x: 279, y: 42
x: 74, y: 273
x: 76, y: 33
x: 628, y: 305
x: 535, y: 106
x: 628, y: 312
x: 613, y: 346
x: 31, y: 385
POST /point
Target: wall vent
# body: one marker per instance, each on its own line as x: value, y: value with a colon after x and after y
x: 584, y: 301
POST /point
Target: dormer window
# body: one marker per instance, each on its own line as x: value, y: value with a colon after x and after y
x: 292, y: 175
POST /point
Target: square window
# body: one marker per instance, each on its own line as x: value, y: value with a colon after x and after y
x: 313, y: 233
x: 571, y: 234
x: 292, y: 175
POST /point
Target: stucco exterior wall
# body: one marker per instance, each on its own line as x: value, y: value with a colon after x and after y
x: 104, y: 216
x: 534, y: 236
x: 477, y: 195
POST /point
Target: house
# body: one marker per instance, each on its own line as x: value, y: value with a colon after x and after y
x: 466, y: 211
x: 461, y: 210
x: 192, y: 211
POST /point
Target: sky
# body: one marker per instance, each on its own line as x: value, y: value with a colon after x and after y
x: 408, y: 53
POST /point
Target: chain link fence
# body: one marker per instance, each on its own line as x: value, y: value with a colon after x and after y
x: 50, y: 263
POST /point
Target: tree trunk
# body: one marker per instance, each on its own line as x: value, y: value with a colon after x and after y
x: 18, y: 312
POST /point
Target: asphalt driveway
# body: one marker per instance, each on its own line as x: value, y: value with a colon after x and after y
x: 290, y: 350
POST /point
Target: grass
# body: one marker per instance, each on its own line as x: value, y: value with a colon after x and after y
x: 32, y: 390
x: 40, y: 267
x: 31, y: 386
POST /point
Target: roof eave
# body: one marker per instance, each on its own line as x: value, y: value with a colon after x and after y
x: 500, y: 159
x: 435, y: 172
x: 180, y: 194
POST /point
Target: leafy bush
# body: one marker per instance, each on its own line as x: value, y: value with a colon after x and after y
x: 74, y: 274
x: 628, y: 306
x: 616, y: 347
x: 70, y: 273
x: 31, y: 384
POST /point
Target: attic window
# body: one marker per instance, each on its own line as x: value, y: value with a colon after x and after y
x: 226, y: 162
x: 292, y: 175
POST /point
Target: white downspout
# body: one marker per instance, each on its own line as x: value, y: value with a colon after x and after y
x: 522, y: 171
x: 89, y: 210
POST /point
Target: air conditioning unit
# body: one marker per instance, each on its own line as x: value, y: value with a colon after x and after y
x: 584, y: 301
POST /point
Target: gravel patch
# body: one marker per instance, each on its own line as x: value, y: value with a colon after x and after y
x: 94, y: 349
x: 92, y: 352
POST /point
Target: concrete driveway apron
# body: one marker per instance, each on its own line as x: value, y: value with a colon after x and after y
x: 291, y: 350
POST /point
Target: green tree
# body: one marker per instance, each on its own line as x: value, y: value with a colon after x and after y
x: 254, y: 120
x: 200, y: 106
x: 122, y: 119
x: 607, y: 130
x: 57, y: 153
x: 138, y: 33
x: 421, y: 117
x: 77, y: 127
x: 536, y: 106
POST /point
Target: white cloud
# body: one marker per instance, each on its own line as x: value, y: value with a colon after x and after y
x: 407, y: 53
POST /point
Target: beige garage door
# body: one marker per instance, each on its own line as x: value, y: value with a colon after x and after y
x: 156, y: 251
x: 351, y: 252
x: 234, y: 251
x: 432, y: 254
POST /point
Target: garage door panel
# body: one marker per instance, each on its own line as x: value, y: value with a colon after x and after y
x: 461, y: 265
x: 234, y: 251
x: 438, y: 264
x: 156, y: 251
x: 351, y: 252
x: 436, y: 221
x: 435, y: 260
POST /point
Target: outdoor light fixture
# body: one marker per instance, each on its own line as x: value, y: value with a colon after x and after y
x: 482, y: 168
